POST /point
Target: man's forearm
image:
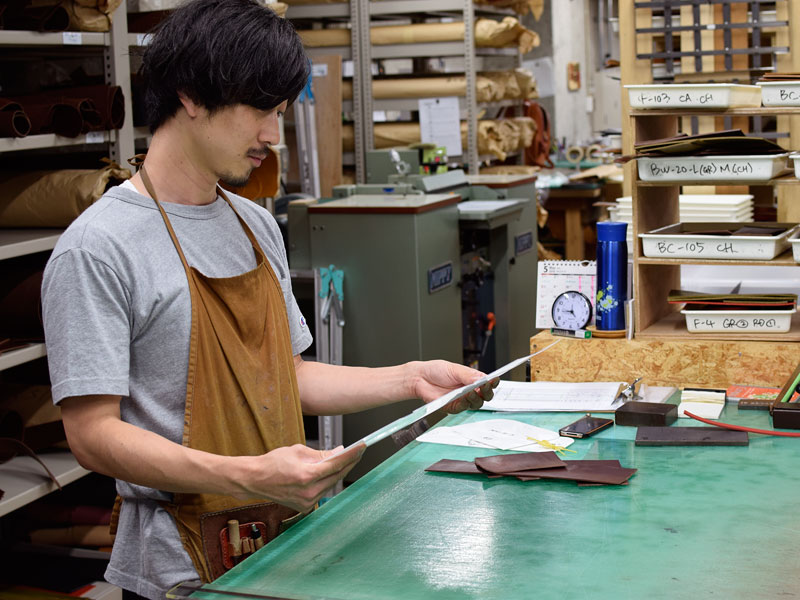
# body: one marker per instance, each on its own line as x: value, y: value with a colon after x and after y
x: 334, y: 390
x: 103, y: 443
x: 295, y: 476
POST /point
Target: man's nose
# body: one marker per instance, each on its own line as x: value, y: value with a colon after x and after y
x: 270, y: 132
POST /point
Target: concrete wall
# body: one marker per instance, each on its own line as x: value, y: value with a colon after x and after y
x: 569, y: 33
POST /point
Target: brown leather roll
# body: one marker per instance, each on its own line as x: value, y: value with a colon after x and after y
x: 13, y: 120
x: 107, y: 99
x: 21, y: 298
x: 18, y: 14
x: 48, y: 115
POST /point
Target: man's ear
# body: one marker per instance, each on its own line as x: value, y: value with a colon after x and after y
x: 192, y: 109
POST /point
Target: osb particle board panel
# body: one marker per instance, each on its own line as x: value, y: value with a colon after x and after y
x: 701, y: 363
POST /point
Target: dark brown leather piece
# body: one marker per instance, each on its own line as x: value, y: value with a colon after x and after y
x: 588, y: 471
x: 501, y: 464
x: 583, y: 471
x: 690, y: 436
x: 455, y: 466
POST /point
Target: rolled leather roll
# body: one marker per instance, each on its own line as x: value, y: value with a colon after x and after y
x: 108, y: 101
x: 13, y: 120
x: 19, y: 14
x: 54, y: 117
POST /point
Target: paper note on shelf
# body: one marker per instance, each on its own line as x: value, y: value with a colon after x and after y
x: 552, y: 396
x: 703, y: 403
x: 498, y: 434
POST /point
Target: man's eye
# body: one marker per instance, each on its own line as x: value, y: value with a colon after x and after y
x: 280, y: 113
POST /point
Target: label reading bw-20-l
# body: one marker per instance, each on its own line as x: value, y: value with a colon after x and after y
x: 701, y: 169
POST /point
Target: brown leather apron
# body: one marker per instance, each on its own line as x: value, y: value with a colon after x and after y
x: 241, y: 393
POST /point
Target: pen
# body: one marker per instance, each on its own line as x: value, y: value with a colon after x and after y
x: 234, y: 541
x: 256, y: 538
x: 578, y: 333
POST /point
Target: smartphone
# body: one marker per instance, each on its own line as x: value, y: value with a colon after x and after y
x: 584, y: 427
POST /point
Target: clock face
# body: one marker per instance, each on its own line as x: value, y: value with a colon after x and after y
x: 572, y: 310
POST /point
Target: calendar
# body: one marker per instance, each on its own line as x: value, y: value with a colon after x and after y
x: 557, y: 276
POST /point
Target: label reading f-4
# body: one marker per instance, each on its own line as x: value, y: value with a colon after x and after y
x: 440, y: 277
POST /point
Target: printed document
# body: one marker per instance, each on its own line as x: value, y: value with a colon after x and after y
x: 552, y: 396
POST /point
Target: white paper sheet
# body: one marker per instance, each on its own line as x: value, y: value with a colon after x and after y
x: 550, y: 396
x: 499, y: 434
x: 426, y: 409
x: 707, y: 405
x: 439, y: 123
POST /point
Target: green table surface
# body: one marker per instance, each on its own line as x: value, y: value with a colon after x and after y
x: 694, y: 522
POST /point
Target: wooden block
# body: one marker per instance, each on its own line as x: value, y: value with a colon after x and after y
x: 650, y: 414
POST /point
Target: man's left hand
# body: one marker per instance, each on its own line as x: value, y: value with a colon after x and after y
x: 435, y: 378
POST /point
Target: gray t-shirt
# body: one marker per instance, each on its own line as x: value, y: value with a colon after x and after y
x: 117, y: 317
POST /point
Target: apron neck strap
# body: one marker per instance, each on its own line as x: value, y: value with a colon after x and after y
x: 148, y: 185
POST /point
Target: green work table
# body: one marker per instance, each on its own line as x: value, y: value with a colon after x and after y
x: 694, y: 522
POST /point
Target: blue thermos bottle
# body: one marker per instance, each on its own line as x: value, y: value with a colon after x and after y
x: 612, y: 275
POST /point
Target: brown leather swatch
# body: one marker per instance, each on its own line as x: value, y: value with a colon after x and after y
x: 589, y: 471
x: 455, y: 466
x: 502, y: 464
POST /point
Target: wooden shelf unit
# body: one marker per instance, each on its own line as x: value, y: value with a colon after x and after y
x: 722, y: 57
x: 655, y: 204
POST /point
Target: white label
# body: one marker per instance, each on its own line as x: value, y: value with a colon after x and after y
x: 143, y: 39
x: 72, y: 38
x: 347, y: 68
x: 699, y: 170
x: 379, y: 116
x: 320, y: 70
x: 665, y: 98
x: 95, y: 137
x: 737, y: 323
x: 440, y: 124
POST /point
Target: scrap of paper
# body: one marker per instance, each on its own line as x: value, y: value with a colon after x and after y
x: 499, y: 434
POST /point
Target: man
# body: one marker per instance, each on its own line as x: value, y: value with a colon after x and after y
x: 173, y: 336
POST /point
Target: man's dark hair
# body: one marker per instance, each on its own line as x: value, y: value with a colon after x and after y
x: 220, y: 53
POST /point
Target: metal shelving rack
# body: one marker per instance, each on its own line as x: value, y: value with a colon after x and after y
x: 342, y: 11
x: 475, y: 59
x: 21, y: 478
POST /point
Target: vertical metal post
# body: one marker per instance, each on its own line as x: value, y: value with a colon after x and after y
x: 755, y: 11
x: 361, y: 50
x: 471, y: 151
x: 118, y: 72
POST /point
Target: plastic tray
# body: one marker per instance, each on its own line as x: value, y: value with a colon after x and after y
x: 694, y: 95
x: 727, y: 201
x: 796, y: 160
x: 795, y: 242
x: 738, y: 321
x: 678, y: 241
x: 713, y: 169
x: 780, y: 93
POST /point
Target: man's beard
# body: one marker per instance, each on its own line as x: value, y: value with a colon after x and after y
x: 236, y: 181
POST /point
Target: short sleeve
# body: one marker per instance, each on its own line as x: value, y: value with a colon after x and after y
x: 86, y: 313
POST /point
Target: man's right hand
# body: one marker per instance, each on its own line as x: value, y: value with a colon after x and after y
x: 297, y: 476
